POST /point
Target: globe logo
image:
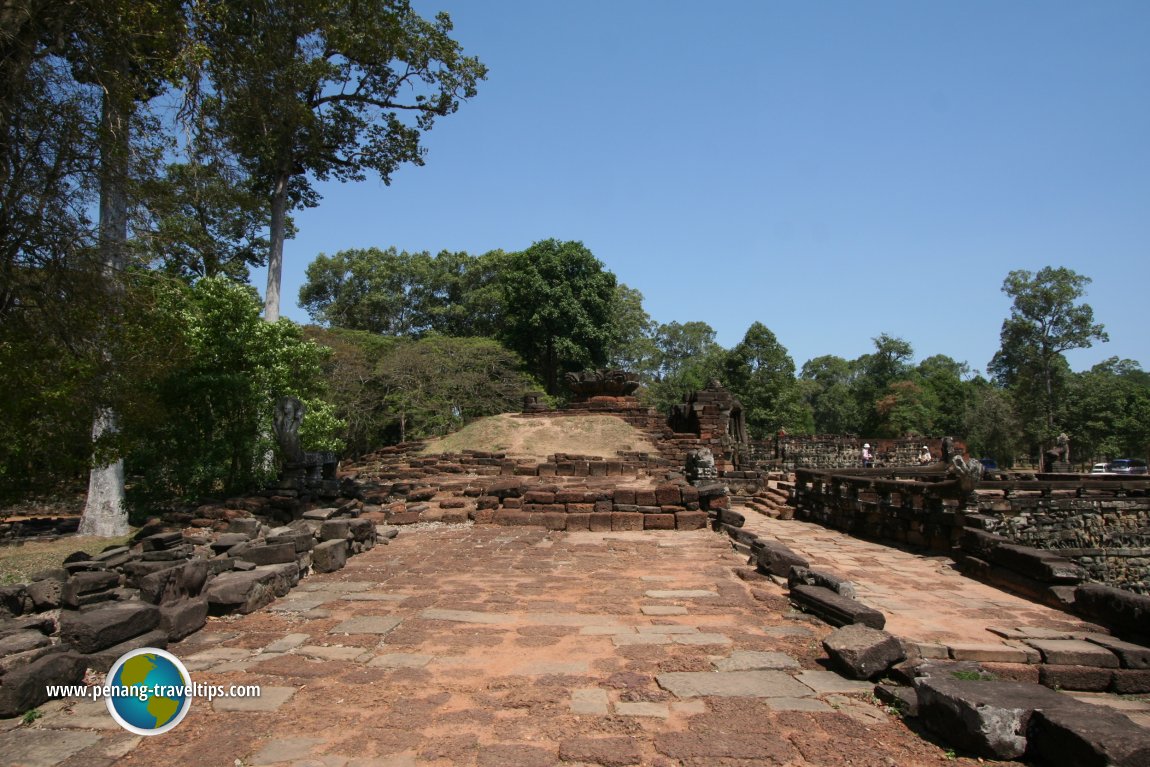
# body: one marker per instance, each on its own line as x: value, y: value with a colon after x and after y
x: 149, y: 691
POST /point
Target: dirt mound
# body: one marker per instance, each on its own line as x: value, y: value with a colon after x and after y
x: 601, y: 435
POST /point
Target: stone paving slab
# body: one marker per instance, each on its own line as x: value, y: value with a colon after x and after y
x: 270, y: 699
x: 743, y: 660
x: 728, y: 684
x: 589, y: 700
x: 43, y: 748
x: 823, y: 682
x: 400, y: 660
x: 681, y: 594
x: 367, y: 624
x: 467, y: 616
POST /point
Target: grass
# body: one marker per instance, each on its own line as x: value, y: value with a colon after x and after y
x: 19, y: 562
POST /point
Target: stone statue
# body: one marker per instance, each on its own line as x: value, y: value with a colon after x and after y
x: 968, y: 473
x: 701, y: 465
x: 1063, y: 447
x: 602, y: 383
x: 286, y: 422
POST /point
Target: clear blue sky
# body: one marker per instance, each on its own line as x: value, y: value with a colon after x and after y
x: 834, y: 170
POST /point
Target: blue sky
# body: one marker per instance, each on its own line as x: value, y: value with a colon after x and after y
x: 834, y: 170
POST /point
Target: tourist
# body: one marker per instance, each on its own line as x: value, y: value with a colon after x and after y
x: 867, y: 456
x: 924, y: 456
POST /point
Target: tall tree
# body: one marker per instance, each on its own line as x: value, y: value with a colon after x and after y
x: 761, y: 372
x: 318, y: 89
x: 632, y: 345
x: 1046, y: 319
x: 826, y: 383
x: 127, y: 51
x: 557, y: 300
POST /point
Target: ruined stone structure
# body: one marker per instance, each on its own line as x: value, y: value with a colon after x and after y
x: 843, y: 452
x: 716, y: 418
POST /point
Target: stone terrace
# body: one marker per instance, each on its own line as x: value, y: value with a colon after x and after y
x: 511, y: 646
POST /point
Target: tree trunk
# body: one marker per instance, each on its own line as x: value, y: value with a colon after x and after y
x: 104, y: 512
x: 276, y: 248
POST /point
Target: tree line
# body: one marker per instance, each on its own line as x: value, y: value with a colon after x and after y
x: 152, y: 152
x: 558, y: 309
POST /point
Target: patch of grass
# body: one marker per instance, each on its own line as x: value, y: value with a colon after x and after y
x: 19, y: 562
x: 973, y: 676
x: 31, y: 715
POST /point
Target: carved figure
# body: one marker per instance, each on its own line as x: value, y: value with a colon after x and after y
x: 286, y: 422
x: 602, y: 383
x: 701, y: 465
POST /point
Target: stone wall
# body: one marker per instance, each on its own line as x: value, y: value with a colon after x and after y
x: 843, y: 452
x: 1108, y: 534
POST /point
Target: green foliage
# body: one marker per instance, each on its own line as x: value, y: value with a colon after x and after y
x: 437, y: 385
x: 30, y: 716
x: 1046, y: 319
x: 557, y: 300
x: 319, y: 89
x: 632, y: 346
x: 826, y: 385
x: 1107, y: 410
x: 213, y: 426
x: 761, y: 373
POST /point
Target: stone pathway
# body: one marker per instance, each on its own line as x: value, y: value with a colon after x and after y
x: 928, y: 601
x: 498, y: 647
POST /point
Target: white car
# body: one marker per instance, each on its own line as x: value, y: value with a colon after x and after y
x: 1101, y: 468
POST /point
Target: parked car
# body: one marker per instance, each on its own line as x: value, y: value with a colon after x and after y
x: 1100, y: 468
x: 1127, y: 466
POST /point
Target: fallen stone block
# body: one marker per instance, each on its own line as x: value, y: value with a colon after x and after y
x: 23, y: 689
x: 329, y: 556
x: 174, y: 583
x: 88, y: 582
x: 904, y: 700
x: 835, y: 609
x: 302, y: 540
x: 270, y: 555
x: 106, y: 658
x: 805, y: 576
x: 777, y: 559
x: 732, y: 518
x: 244, y: 592
x: 1044, y: 566
x: 90, y: 630
x: 22, y: 642
x: 183, y: 618
x: 1087, y: 736
x: 862, y: 652
x: 1125, y: 613
x: 335, y: 530
x: 989, y: 719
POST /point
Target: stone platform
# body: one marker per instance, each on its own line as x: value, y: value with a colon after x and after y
x: 504, y: 647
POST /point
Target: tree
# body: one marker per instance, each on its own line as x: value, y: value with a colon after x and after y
x: 991, y: 425
x: 127, y: 50
x: 437, y: 385
x: 761, y: 373
x: 1045, y: 321
x: 318, y: 89
x: 557, y: 299
x: 947, y: 390
x: 1107, y: 411
x: 825, y: 383
x: 632, y: 345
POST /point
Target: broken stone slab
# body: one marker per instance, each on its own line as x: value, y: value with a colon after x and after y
x: 95, y: 629
x: 22, y: 642
x: 836, y: 609
x: 183, y: 618
x: 335, y: 530
x: 303, y: 540
x: 777, y: 559
x: 175, y: 583
x: 1087, y: 736
x: 106, y: 658
x: 24, y: 688
x: 733, y: 684
x: 329, y: 556
x: 1074, y: 652
x: 367, y: 624
x: 277, y: 554
x: 807, y: 577
x: 902, y: 699
x: 862, y: 652
x: 244, y: 592
x: 989, y: 719
x: 321, y: 514
x: 95, y: 580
